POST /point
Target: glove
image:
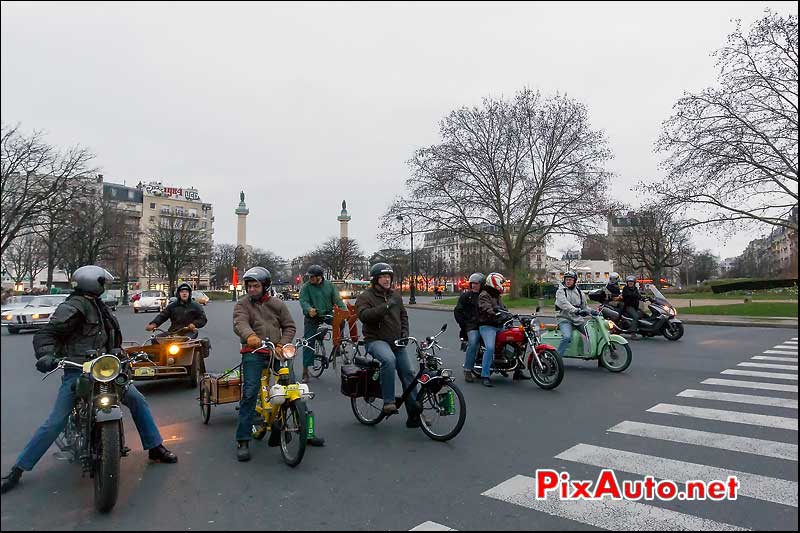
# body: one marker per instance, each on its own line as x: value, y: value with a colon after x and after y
x: 191, y: 327
x: 595, y: 313
x: 279, y: 350
x: 312, y: 312
x: 46, y: 364
x: 253, y: 341
x: 583, y: 312
x: 150, y: 327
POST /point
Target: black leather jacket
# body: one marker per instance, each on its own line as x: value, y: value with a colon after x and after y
x: 79, y: 324
x: 466, y: 311
x: 182, y: 314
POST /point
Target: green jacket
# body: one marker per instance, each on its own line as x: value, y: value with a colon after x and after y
x: 321, y: 297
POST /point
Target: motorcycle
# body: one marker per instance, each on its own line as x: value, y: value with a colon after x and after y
x: 611, y: 350
x: 661, y: 319
x: 513, y: 342
x: 93, y: 435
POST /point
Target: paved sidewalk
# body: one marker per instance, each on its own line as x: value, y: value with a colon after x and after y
x: 708, y: 320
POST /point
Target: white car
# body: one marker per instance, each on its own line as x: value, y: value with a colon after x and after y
x: 34, y: 315
x: 17, y: 302
x: 150, y: 301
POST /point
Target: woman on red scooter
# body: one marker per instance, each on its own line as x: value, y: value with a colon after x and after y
x: 489, y: 302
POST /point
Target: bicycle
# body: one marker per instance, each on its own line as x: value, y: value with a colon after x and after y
x: 439, y: 400
x: 321, y: 358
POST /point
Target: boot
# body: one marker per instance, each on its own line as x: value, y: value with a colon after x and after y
x: 316, y: 441
x: 487, y: 382
x: 159, y: 454
x: 243, y: 450
x: 305, y: 377
x: 12, y: 479
x: 468, y: 377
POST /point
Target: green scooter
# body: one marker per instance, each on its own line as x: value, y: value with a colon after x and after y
x: 610, y: 349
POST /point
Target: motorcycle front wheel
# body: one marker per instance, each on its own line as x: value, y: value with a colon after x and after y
x: 552, y: 372
x: 616, y: 357
x: 293, y: 434
x: 673, y: 331
x: 444, y: 411
x: 106, y: 468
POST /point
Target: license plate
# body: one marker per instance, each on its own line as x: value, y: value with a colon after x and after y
x: 145, y: 371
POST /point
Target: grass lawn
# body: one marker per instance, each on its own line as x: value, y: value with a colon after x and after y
x: 752, y: 309
x: 518, y: 303
x: 733, y: 295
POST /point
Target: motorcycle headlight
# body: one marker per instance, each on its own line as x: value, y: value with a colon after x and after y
x: 104, y: 401
x: 446, y: 373
x: 173, y: 349
x: 610, y: 324
x: 106, y: 368
x: 289, y: 351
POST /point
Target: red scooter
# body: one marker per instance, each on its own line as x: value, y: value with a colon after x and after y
x: 513, y: 353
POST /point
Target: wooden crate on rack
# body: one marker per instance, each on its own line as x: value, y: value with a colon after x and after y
x: 226, y: 390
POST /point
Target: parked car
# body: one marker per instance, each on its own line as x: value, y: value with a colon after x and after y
x: 17, y: 302
x: 150, y: 301
x: 34, y: 315
x: 110, y: 300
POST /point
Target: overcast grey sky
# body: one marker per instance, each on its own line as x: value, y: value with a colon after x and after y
x: 304, y: 105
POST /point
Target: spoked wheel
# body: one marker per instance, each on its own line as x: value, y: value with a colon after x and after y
x: 443, y: 411
x: 673, y: 331
x: 368, y: 411
x: 293, y: 434
x: 106, y: 474
x: 552, y: 372
x: 205, y: 400
x: 616, y: 357
x: 320, y: 361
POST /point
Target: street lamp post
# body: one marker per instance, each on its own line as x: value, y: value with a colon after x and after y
x: 127, y: 280
x: 413, y: 298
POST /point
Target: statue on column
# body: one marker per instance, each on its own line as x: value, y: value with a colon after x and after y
x: 241, y: 196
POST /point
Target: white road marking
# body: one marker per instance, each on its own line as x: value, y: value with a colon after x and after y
x: 431, y: 526
x: 749, y: 384
x: 736, y: 417
x: 771, y: 358
x: 739, y: 398
x: 752, y: 373
x: 769, y: 365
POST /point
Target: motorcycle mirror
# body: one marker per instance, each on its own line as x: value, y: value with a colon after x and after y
x: 444, y: 327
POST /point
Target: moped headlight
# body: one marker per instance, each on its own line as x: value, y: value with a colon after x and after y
x: 289, y: 351
x: 610, y: 324
x: 173, y: 349
x: 446, y: 373
x: 106, y: 368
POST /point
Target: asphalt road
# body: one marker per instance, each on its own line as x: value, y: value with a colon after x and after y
x: 390, y: 477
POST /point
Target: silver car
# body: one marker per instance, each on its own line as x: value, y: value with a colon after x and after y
x: 34, y: 315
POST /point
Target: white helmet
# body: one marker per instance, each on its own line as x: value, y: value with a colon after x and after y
x: 495, y: 280
x: 614, y: 277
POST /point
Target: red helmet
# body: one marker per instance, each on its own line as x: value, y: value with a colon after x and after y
x: 495, y: 280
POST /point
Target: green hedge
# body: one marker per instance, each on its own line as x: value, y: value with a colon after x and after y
x: 216, y: 296
x: 751, y: 284
x: 537, y: 289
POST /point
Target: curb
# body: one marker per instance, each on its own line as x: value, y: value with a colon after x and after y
x: 717, y: 320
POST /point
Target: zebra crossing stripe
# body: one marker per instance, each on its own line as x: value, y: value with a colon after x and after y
x: 751, y: 485
x: 770, y: 358
x: 766, y: 448
x: 739, y: 398
x: 749, y: 384
x: 752, y: 373
x: 780, y: 422
x: 769, y: 365
x: 785, y: 347
x: 431, y: 526
x: 780, y: 352
x: 790, y: 342
x: 621, y: 515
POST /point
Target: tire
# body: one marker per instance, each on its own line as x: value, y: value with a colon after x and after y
x: 427, y: 396
x: 296, y: 418
x: 13, y: 331
x: 605, y: 357
x: 205, y: 400
x: 673, y: 332
x: 320, y: 361
x: 368, y: 411
x: 193, y: 371
x: 106, y: 469
x: 135, y: 310
x: 552, y: 374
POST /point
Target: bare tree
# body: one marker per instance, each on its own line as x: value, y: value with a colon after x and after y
x: 93, y: 228
x: 174, y: 244
x: 732, y: 149
x: 657, y: 242
x: 14, y: 260
x: 269, y: 260
x: 571, y: 259
x: 340, y: 257
x: 36, y: 177
x: 223, y: 260
x: 509, y: 174
x: 35, y: 257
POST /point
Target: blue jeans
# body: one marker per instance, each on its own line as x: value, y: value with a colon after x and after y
x: 252, y: 365
x: 55, y: 423
x: 489, y: 336
x: 566, y: 328
x: 393, y: 359
x: 474, y: 339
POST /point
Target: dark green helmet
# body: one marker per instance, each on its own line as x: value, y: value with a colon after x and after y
x: 378, y: 269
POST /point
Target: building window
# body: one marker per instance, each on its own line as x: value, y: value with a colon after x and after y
x: 114, y: 193
x: 130, y: 195
x: 179, y: 211
x: 165, y: 209
x: 193, y: 213
x: 152, y: 219
x: 152, y: 205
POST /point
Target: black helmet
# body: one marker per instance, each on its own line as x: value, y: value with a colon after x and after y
x: 91, y: 279
x: 261, y: 275
x: 477, y: 277
x: 182, y: 286
x: 315, y: 270
x: 570, y: 274
x: 378, y: 269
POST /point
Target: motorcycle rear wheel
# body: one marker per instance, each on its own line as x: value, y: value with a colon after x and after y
x: 368, y: 411
x: 106, y: 469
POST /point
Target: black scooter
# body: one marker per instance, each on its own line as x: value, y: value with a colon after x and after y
x: 660, y: 321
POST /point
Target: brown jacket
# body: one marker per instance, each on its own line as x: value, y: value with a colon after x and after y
x: 269, y: 319
x: 488, y: 303
x: 378, y: 322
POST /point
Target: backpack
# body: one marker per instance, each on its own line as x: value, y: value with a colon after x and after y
x: 580, y: 293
